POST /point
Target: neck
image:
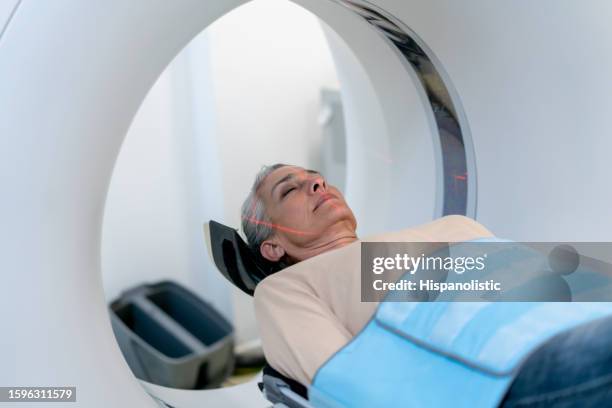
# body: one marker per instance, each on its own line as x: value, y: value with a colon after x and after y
x: 318, y: 248
x: 337, y: 242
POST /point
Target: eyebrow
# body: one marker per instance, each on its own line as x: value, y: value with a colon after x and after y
x: 289, y: 177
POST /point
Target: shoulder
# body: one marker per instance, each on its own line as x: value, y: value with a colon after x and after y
x: 462, y: 225
x: 279, y: 290
x: 445, y: 229
x: 267, y: 288
x: 282, y: 280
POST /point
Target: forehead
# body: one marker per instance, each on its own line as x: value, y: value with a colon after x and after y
x: 279, y: 174
x: 275, y: 176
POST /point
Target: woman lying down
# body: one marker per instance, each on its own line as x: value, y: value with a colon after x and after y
x: 308, y: 311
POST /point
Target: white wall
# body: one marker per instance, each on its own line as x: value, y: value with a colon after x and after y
x: 244, y: 93
x: 270, y: 61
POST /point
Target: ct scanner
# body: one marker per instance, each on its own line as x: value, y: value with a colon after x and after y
x: 495, y: 110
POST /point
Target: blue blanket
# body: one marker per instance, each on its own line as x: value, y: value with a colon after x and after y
x: 442, y: 354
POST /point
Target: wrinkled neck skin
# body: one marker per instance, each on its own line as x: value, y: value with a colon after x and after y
x: 336, y: 237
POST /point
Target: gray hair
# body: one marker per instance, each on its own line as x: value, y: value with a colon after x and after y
x: 255, y: 222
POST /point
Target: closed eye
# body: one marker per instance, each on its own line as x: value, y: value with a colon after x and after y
x: 288, y: 191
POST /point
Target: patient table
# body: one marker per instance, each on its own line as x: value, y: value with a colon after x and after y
x: 415, y: 354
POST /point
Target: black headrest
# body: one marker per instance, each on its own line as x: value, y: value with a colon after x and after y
x: 236, y: 261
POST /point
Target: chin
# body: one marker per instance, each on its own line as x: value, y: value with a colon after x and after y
x: 339, y: 214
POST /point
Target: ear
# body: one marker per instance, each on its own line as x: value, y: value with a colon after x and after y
x: 271, y: 250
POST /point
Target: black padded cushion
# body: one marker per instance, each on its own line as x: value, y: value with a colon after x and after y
x: 236, y: 261
x: 295, y: 386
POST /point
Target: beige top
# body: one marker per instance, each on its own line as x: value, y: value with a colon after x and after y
x: 310, y: 310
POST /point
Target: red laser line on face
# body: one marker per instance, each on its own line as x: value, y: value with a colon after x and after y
x: 251, y: 218
x: 277, y: 226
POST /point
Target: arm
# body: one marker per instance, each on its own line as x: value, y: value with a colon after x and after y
x: 298, y: 331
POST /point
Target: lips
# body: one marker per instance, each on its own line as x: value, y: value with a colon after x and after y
x: 323, y: 199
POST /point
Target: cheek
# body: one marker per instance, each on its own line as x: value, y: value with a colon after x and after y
x: 293, y: 212
x: 336, y: 192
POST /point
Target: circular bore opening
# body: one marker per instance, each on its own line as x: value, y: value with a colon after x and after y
x: 454, y: 162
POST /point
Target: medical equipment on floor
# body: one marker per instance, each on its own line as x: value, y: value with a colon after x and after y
x: 171, y: 337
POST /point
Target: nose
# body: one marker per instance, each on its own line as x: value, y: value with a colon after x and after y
x: 318, y: 185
